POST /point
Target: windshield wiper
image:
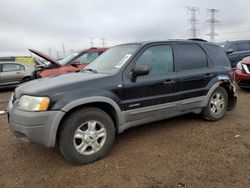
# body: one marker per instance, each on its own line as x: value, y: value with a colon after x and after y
x: 91, y: 70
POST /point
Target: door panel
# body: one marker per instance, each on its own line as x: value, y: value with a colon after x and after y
x: 144, y: 95
x: 12, y: 73
x: 193, y: 71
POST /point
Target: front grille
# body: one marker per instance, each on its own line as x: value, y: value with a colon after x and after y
x: 248, y: 66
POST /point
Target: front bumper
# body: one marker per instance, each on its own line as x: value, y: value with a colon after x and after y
x: 35, y: 127
x: 242, y: 79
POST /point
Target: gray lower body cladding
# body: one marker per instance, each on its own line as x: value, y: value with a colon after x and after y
x: 35, y: 127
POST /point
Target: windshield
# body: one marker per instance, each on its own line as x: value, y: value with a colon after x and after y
x: 68, y: 58
x: 113, y: 59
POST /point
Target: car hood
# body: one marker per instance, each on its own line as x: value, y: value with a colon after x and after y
x: 64, y: 83
x: 246, y: 60
x: 46, y: 57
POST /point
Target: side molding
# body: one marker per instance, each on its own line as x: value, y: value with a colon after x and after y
x: 78, y: 102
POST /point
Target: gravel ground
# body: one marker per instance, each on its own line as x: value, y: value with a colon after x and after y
x: 180, y: 152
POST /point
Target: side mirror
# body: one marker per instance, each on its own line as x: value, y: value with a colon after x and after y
x: 229, y: 51
x: 140, y: 70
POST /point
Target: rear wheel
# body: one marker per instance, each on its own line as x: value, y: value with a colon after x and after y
x: 86, y: 136
x: 217, y: 105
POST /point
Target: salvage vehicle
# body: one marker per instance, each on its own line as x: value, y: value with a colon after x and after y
x: 14, y: 73
x: 236, y: 50
x: 242, y: 73
x: 73, y: 63
x: 128, y: 85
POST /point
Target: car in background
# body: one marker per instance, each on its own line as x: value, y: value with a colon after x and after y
x: 242, y: 73
x: 72, y: 63
x: 14, y: 73
x: 236, y: 50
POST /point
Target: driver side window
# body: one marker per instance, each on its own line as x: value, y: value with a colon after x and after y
x: 159, y: 59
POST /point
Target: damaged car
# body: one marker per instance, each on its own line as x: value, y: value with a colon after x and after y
x: 129, y: 85
x: 72, y: 63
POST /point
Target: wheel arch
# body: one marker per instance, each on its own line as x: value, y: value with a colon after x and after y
x: 26, y: 77
x: 225, y: 82
x: 106, y: 104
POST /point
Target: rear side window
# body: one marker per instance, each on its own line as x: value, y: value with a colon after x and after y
x: 243, y: 46
x: 190, y: 56
x: 218, y: 55
x: 12, y: 67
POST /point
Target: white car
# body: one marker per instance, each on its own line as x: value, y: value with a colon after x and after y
x: 13, y: 73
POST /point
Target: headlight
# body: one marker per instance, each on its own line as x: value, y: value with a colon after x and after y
x: 30, y: 103
x: 239, y: 66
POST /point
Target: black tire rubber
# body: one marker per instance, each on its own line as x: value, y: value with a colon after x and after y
x: 207, y: 114
x: 26, y: 79
x: 69, y: 127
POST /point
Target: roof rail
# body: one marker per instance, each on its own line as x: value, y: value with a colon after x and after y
x: 197, y: 39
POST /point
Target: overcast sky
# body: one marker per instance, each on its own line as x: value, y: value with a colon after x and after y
x: 48, y: 24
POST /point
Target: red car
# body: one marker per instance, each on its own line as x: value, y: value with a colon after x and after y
x: 242, y: 73
x: 72, y: 63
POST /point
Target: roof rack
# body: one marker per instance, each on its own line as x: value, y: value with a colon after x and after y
x: 197, y: 39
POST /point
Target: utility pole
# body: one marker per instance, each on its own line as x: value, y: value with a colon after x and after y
x: 212, y: 22
x: 63, y: 50
x: 103, y: 42
x: 49, y: 51
x: 57, y: 54
x: 193, y: 21
x: 91, y: 42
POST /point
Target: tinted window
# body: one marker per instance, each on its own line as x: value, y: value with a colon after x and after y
x: 159, y: 59
x: 234, y: 47
x: 190, y: 56
x: 243, y: 46
x: 12, y: 67
x: 218, y: 55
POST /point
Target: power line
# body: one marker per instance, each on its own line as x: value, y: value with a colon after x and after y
x: 193, y: 21
x: 212, y: 22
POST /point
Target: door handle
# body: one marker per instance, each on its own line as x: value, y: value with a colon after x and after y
x: 167, y: 82
x: 18, y: 72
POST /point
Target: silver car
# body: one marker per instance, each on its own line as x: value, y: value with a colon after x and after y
x: 13, y: 73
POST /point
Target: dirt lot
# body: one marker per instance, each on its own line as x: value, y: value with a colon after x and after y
x: 181, y: 152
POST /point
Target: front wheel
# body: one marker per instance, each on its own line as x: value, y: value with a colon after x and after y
x: 217, y: 105
x: 86, y: 135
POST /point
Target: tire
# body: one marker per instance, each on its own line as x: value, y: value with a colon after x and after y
x: 26, y: 79
x: 86, y: 135
x: 216, y: 111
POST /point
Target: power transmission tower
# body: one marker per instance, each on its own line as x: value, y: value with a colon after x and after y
x: 193, y: 21
x: 103, y: 42
x: 91, y: 41
x: 212, y: 22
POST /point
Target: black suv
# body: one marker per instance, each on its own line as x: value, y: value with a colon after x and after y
x: 128, y: 85
x: 236, y: 50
